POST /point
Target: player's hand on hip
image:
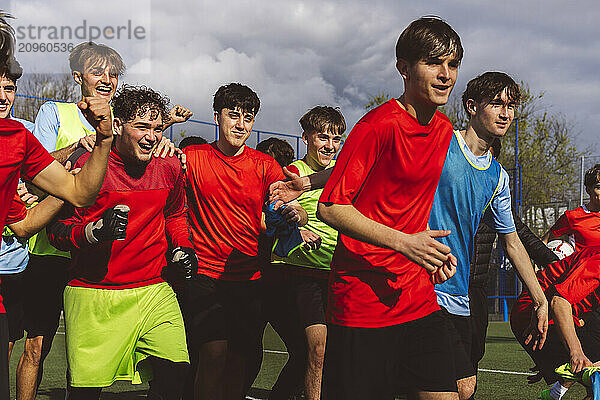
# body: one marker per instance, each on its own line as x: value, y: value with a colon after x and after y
x: 24, y: 194
x: 111, y: 226
x: 183, y: 263
x: 97, y: 111
x: 422, y: 249
x: 443, y: 273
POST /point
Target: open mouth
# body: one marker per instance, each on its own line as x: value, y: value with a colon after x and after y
x: 105, y: 90
x: 146, y: 147
x: 441, y: 88
x: 3, y: 107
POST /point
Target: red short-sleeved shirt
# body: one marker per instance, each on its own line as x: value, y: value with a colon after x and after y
x: 17, y: 211
x: 388, y: 170
x: 21, y: 154
x: 225, y: 199
x: 575, y: 278
x: 583, y: 224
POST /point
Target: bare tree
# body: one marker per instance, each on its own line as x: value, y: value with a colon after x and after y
x: 59, y: 87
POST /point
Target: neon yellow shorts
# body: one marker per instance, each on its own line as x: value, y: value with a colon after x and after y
x: 109, y: 333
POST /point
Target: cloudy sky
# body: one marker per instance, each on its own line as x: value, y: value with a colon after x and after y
x: 297, y: 54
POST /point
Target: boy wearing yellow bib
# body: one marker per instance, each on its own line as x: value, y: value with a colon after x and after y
x: 307, y: 269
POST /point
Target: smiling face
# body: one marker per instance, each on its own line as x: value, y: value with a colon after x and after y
x: 491, y: 120
x: 99, y: 79
x: 138, y: 138
x: 235, y: 127
x: 429, y: 82
x: 8, y: 89
x: 321, y: 148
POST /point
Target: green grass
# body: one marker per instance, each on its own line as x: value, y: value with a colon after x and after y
x: 502, y: 353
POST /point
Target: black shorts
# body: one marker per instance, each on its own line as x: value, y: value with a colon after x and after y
x: 461, y: 336
x: 4, y: 384
x: 45, y: 280
x: 215, y: 309
x: 379, y: 363
x: 13, y: 293
x: 478, y: 302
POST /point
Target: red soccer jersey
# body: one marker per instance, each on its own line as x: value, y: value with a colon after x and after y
x: 17, y: 211
x: 582, y: 224
x: 575, y: 278
x: 21, y: 154
x: 388, y: 170
x: 156, y: 201
x: 226, y: 196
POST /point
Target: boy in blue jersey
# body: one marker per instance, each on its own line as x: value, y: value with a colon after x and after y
x: 471, y: 182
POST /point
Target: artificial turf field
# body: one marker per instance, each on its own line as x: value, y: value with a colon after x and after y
x: 503, y: 355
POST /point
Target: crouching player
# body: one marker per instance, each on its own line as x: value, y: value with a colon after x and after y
x: 120, y: 316
x: 572, y: 288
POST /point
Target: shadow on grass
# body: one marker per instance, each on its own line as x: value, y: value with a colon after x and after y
x: 500, y: 339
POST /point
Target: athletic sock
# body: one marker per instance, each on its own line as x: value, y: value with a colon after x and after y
x: 558, y: 391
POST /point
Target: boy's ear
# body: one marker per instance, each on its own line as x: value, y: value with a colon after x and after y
x: 216, y: 117
x: 471, y: 107
x: 117, y: 126
x: 403, y: 67
x: 305, y: 138
x: 77, y: 77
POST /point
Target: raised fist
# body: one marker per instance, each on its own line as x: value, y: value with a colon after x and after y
x: 97, y: 111
x: 111, y: 226
x: 179, y: 114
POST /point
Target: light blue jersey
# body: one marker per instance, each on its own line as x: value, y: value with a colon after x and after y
x: 468, y: 186
x: 47, y: 124
x: 14, y: 252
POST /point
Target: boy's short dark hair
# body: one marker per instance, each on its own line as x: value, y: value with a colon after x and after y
x: 14, y: 70
x: 279, y: 149
x: 592, y: 177
x: 428, y: 37
x: 236, y: 95
x: 488, y: 85
x: 322, y: 119
x: 95, y: 54
x: 132, y: 101
x: 191, y: 140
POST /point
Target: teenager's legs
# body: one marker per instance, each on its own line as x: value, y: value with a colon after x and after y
x: 82, y: 393
x: 208, y: 382
x: 316, y: 337
x: 168, y: 380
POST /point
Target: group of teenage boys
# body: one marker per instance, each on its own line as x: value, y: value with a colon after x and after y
x: 376, y: 299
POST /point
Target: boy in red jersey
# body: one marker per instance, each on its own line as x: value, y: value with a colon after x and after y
x: 227, y: 186
x: 387, y: 333
x: 119, y: 312
x: 572, y: 288
x: 581, y: 225
x: 22, y: 155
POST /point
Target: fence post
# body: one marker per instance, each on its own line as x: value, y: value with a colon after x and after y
x: 581, y: 180
x: 297, y: 148
x: 505, y: 307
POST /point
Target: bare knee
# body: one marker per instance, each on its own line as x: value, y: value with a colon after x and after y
x: 32, y: 351
x: 466, y: 387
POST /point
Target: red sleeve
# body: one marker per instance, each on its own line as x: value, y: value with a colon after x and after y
x: 581, y: 280
x: 17, y: 211
x: 36, y: 157
x: 294, y: 169
x: 561, y: 226
x: 176, y: 215
x: 67, y: 231
x: 353, y: 165
x: 273, y: 173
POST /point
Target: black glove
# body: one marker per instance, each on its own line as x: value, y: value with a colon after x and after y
x: 182, y: 263
x: 111, y: 226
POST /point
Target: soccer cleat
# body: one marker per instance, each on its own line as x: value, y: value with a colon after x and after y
x: 545, y: 395
x: 584, y: 377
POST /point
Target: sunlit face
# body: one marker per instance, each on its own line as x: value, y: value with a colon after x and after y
x: 235, y: 126
x: 430, y: 81
x: 8, y: 89
x: 137, y: 139
x: 494, y: 118
x: 97, y: 80
x: 321, y: 147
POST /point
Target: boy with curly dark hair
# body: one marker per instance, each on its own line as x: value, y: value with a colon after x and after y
x: 119, y: 312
